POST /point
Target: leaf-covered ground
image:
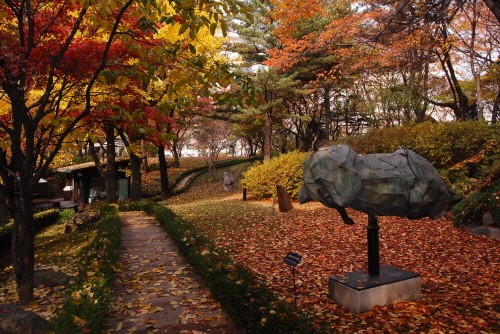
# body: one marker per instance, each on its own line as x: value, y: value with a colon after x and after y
x: 460, y: 271
x: 55, y: 250
x: 460, y: 289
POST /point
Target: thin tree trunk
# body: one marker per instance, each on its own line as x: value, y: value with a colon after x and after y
x: 165, y: 186
x: 135, y: 166
x: 496, y: 108
x: 475, y: 72
x: 145, y: 165
x: 328, y: 114
x: 176, y: 155
x: 461, y: 109
x: 110, y: 180
x: 135, y: 179
x: 268, y: 133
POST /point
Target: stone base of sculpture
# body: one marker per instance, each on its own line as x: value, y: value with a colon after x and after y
x: 361, y: 292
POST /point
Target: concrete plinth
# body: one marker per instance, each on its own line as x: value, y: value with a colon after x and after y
x: 360, y: 292
x: 487, y: 231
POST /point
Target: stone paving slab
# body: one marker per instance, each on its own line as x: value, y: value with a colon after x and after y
x: 156, y: 290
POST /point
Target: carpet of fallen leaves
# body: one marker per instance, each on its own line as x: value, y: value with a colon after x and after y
x: 459, y: 271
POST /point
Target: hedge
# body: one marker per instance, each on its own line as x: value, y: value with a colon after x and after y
x: 87, y: 303
x: 443, y: 144
x: 469, y: 211
x: 42, y: 219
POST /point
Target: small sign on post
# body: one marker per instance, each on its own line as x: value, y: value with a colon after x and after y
x: 293, y: 259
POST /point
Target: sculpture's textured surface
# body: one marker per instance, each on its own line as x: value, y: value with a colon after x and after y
x: 398, y: 184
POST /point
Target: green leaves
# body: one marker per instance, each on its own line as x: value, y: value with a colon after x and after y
x: 183, y: 28
x: 213, y: 28
x: 192, y: 48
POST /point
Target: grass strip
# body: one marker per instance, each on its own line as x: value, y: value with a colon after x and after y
x: 203, y: 169
x: 248, y: 300
x: 87, y: 303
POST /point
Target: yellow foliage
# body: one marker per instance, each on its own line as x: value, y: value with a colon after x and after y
x: 62, y: 159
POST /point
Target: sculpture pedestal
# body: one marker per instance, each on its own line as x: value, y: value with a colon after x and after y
x: 361, y: 292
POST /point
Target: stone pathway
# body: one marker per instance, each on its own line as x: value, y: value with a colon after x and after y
x: 156, y: 290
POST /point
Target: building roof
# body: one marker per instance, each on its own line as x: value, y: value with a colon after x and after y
x: 88, y: 165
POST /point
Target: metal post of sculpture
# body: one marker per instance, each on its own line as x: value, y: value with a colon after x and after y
x: 401, y: 184
x: 373, y: 249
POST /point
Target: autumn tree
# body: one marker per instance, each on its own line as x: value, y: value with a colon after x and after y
x: 252, y: 42
x: 180, y: 83
x: 52, y: 53
x: 414, y: 43
x: 477, y: 39
x: 494, y: 7
x: 211, y: 136
x: 47, y: 90
x: 439, y: 38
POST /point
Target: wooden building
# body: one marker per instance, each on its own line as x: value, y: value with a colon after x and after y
x: 85, y: 185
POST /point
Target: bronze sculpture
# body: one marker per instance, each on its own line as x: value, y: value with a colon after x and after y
x: 402, y: 183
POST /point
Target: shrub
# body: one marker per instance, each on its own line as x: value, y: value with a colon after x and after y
x: 469, y: 175
x: 469, y: 211
x: 443, y: 144
x: 86, y: 306
x: 67, y: 214
x: 42, y: 219
x: 241, y: 293
x: 46, y: 218
x: 286, y: 170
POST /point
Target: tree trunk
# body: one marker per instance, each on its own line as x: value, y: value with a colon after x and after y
x: 176, y: 155
x: 252, y: 148
x: 328, y: 114
x: 165, y: 186
x: 461, y: 107
x: 494, y: 6
x: 23, y: 245
x: 145, y: 165
x: 475, y: 72
x: 496, y: 107
x: 212, y: 169
x: 268, y: 135
x: 111, y: 172
x: 135, y: 179
x: 4, y: 212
